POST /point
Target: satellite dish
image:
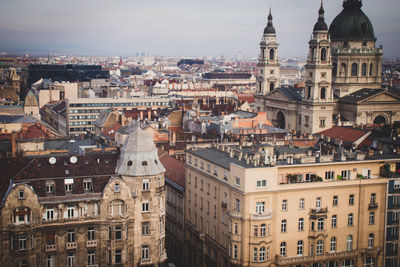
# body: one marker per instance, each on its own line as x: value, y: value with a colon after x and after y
x: 73, y: 159
x: 52, y: 160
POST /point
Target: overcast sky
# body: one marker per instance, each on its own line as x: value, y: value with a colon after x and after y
x: 176, y: 27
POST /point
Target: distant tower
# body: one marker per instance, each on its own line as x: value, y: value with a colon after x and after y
x: 268, y: 62
x: 317, y: 104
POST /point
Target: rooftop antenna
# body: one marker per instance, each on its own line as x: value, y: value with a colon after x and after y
x: 48, y: 56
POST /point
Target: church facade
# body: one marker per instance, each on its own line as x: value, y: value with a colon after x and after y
x: 342, y: 77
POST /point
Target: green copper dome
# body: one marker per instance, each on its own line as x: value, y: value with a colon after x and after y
x: 351, y: 23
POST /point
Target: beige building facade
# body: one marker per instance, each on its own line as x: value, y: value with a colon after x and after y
x: 243, y: 209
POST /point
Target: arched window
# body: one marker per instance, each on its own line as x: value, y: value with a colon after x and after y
x: 354, y: 69
x: 21, y: 215
x: 271, y: 87
x: 320, y: 247
x: 262, y: 254
x: 333, y: 244
x: 364, y: 69
x: 255, y: 254
x: 370, y: 240
x: 309, y: 92
x: 271, y: 54
x: 334, y: 70
x: 371, y: 69
x: 263, y: 229
x: 313, y: 54
x: 283, y: 249
x: 300, y: 248
x: 116, y: 208
x: 343, y: 70
x: 323, y: 54
x: 349, y: 243
x: 323, y: 93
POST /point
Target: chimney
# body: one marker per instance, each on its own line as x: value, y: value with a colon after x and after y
x: 14, y: 144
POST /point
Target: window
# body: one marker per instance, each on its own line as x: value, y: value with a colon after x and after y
x: 145, y: 184
x: 333, y: 244
x: 300, y: 248
x: 283, y: 226
x: 70, y: 259
x: 271, y: 54
x: 195, y: 162
x: 237, y: 204
x: 371, y: 69
x: 118, y: 256
x: 255, y: 230
x: 369, y: 262
x: 235, y: 251
x: 261, y: 183
x: 350, y: 219
x: 215, y: 171
x: 373, y: 198
x: 71, y: 235
x: 346, y: 174
x: 320, y: 224
x: 284, y: 205
x: 116, y: 188
x: 260, y: 207
x: 202, y: 165
x: 329, y: 175
x: 323, y: 54
x: 364, y: 69
x: 301, y: 224
x: 50, y: 187
x: 195, y: 182
x: 118, y: 232
x: 263, y: 229
x: 87, y: 184
x: 145, y: 228
x: 50, y: 261
x: 21, y: 215
x: 351, y: 200
x: 372, y: 218
x: 334, y: 221
x: 318, y: 203
x: 322, y: 123
x: 237, y: 181
x: 370, y: 240
x: 235, y: 228
x: 145, y: 207
x: 354, y: 69
x: 262, y: 254
x: 70, y: 212
x: 22, y: 242
x: 335, y: 201
x: 347, y: 263
x: 116, y: 208
x: 349, y: 242
x: 91, y: 233
x: 91, y: 257
x: 283, y: 249
x: 208, y: 168
x: 320, y: 247
x: 301, y: 203
x: 109, y: 233
x: 255, y: 254
x: 69, y: 185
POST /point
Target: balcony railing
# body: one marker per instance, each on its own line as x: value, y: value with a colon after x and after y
x: 146, y: 261
x: 373, y: 206
x: 235, y: 214
x: 50, y: 248
x: 71, y: 245
x: 263, y: 216
x: 91, y: 243
x: 308, y: 259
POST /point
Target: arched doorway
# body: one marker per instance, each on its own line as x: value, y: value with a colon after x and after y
x: 380, y: 120
x: 280, y: 120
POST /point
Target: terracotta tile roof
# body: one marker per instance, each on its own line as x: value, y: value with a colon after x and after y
x: 346, y: 134
x: 175, y: 169
x: 246, y: 97
x: 33, y: 132
x: 110, y: 132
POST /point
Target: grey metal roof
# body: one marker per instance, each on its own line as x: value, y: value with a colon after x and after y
x: 290, y: 93
x: 16, y: 119
x: 365, y: 93
x: 218, y: 157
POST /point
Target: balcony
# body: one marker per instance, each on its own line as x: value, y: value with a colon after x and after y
x: 235, y: 214
x: 147, y: 261
x: 263, y: 216
x: 91, y: 243
x: 160, y: 189
x: 373, y: 206
x: 50, y: 248
x: 71, y: 245
x: 309, y: 259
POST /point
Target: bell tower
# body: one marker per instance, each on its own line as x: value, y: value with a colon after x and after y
x: 268, y: 61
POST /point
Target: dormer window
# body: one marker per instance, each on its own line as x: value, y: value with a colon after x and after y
x: 50, y: 187
x: 21, y: 194
x: 87, y: 184
x: 69, y: 185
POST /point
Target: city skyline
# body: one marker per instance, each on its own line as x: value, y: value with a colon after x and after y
x: 175, y: 28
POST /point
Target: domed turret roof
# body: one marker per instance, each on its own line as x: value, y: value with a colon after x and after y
x: 270, y: 29
x: 351, y: 23
x: 321, y: 25
x: 139, y: 155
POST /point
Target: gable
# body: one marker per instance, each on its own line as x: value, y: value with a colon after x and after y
x: 384, y: 97
x: 277, y: 95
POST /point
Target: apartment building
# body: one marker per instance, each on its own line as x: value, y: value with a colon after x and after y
x: 89, y: 210
x: 83, y: 112
x: 264, y: 205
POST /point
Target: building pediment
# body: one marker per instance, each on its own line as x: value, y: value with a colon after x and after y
x: 277, y: 95
x: 371, y: 96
